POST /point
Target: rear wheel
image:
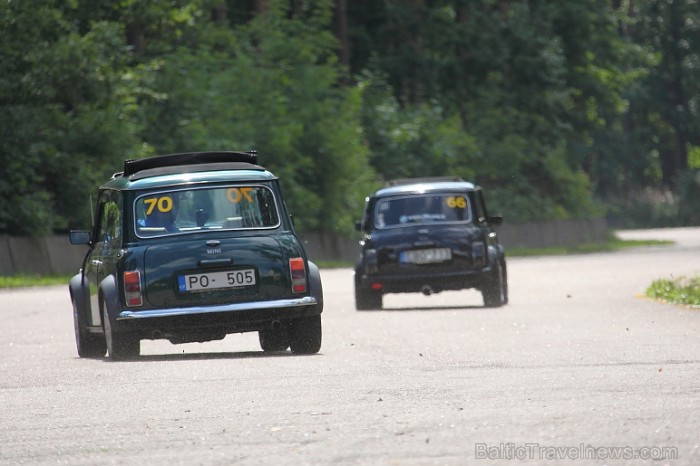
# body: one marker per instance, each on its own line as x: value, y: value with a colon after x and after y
x: 367, y: 300
x: 88, y: 345
x: 274, y: 339
x: 495, y: 290
x: 306, y: 335
x: 120, y: 346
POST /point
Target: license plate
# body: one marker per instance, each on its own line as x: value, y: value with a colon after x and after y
x: 216, y: 280
x: 426, y: 256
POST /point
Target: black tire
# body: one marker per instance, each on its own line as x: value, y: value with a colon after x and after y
x: 306, y: 335
x: 274, y: 340
x: 88, y: 345
x: 367, y: 300
x: 120, y: 346
x: 495, y: 290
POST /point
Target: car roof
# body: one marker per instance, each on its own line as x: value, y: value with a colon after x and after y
x: 424, y: 185
x: 189, y: 168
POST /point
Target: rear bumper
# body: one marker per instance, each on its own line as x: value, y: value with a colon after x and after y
x: 281, y: 304
x: 413, y: 283
x: 205, y: 323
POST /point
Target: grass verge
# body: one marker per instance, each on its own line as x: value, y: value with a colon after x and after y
x: 22, y: 281
x: 681, y: 290
x: 612, y: 244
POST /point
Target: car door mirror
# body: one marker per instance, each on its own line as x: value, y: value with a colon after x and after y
x: 79, y: 237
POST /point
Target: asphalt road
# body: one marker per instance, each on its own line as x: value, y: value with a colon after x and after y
x: 578, y: 365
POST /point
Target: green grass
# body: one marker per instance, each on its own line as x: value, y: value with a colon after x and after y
x: 333, y: 264
x: 21, y: 281
x: 612, y: 244
x: 681, y: 290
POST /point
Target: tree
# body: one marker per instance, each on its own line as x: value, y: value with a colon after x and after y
x: 68, y: 118
x: 673, y: 87
x: 272, y: 85
x: 493, y: 72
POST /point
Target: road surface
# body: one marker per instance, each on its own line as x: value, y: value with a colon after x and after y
x: 579, y: 368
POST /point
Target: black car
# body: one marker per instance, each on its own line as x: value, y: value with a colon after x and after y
x: 429, y: 235
x: 189, y: 248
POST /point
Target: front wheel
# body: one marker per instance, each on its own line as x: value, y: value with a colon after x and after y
x: 495, y: 288
x: 306, y: 335
x: 120, y: 346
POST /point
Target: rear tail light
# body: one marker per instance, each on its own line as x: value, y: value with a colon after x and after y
x: 132, y: 288
x: 297, y: 269
x: 371, y: 262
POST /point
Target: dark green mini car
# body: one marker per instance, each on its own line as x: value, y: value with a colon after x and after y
x: 190, y: 248
x: 429, y: 235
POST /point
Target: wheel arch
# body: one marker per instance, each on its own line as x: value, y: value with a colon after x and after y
x: 78, y: 291
x: 496, y: 253
x: 316, y: 287
x: 108, y: 293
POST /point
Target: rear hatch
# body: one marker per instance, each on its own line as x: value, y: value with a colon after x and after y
x: 429, y: 248
x: 201, y: 272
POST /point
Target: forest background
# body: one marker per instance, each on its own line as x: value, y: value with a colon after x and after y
x: 558, y: 109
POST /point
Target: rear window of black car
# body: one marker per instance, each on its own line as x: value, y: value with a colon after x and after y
x: 218, y: 208
x: 421, y: 209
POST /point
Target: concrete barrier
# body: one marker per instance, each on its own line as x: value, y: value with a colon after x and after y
x: 55, y: 255
x: 49, y: 255
x: 6, y: 267
x: 557, y: 233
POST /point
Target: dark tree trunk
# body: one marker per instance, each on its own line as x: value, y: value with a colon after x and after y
x: 675, y: 161
x: 341, y: 28
x: 219, y: 13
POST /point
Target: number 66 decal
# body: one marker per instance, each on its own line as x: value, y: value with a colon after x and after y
x: 456, y: 202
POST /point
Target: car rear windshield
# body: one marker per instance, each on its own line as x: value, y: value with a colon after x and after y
x: 422, y: 209
x: 197, y: 209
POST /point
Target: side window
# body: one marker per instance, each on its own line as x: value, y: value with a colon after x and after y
x: 366, y: 216
x: 109, y: 226
x: 479, y: 207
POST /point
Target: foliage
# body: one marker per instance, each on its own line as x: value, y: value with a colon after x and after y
x: 67, y: 119
x: 417, y: 141
x: 556, y: 107
x: 681, y: 290
x: 270, y: 85
x: 558, y: 98
x: 496, y: 115
x: 653, y: 208
x: 689, y: 194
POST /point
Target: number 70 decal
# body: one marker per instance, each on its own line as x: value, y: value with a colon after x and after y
x: 235, y: 195
x: 165, y: 204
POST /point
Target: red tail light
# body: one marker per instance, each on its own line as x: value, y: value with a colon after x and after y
x: 297, y: 270
x: 132, y: 288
